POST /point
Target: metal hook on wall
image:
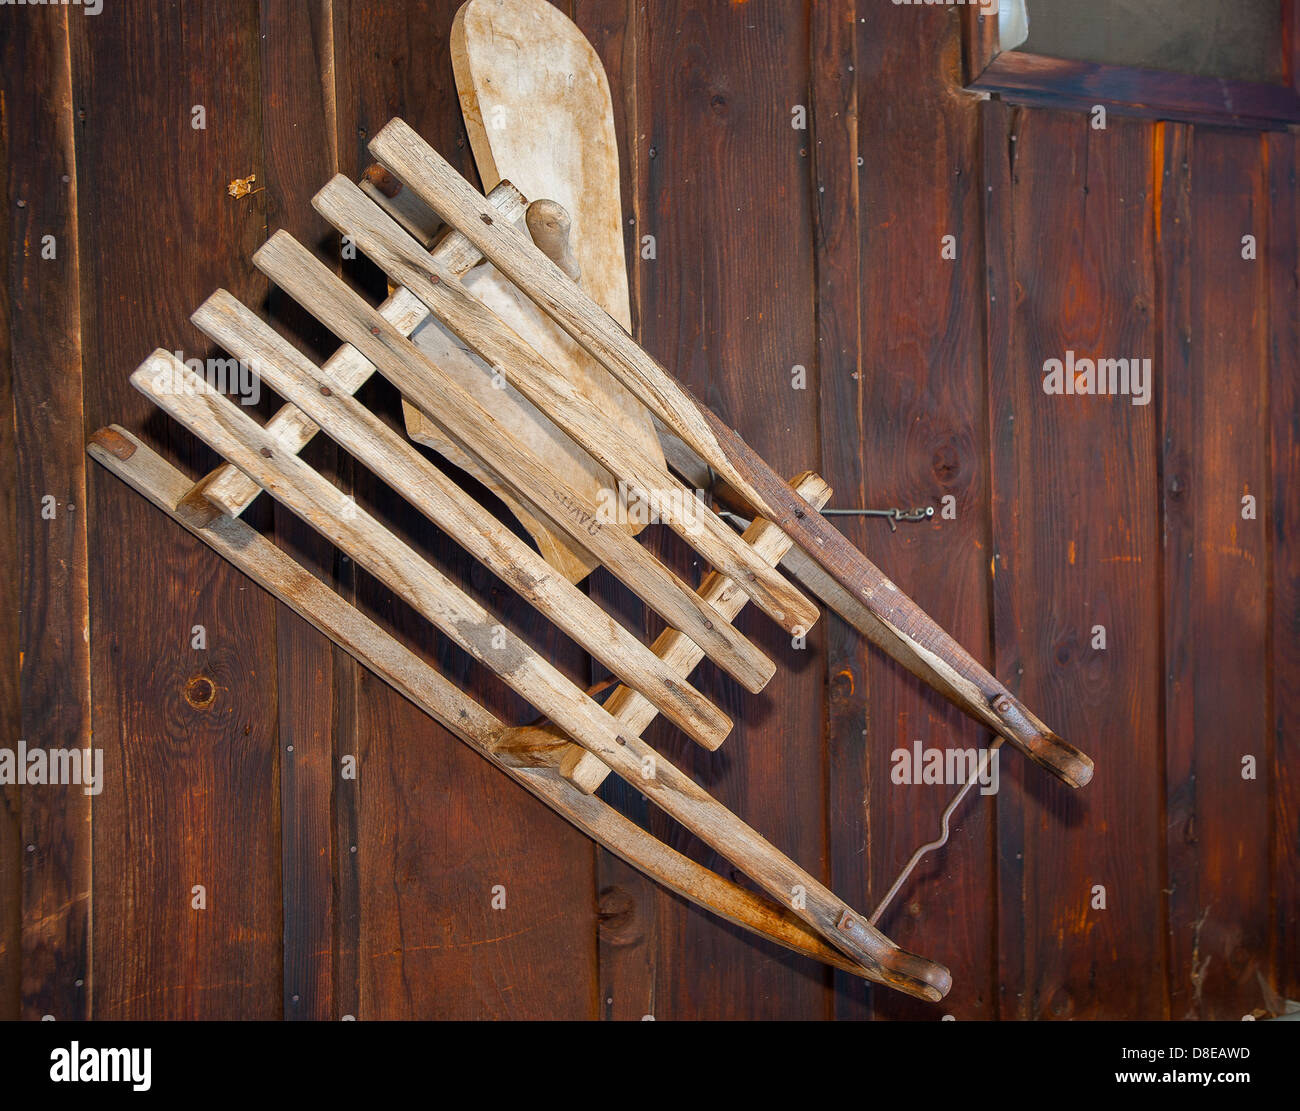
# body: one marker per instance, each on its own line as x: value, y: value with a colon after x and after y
x: 921, y: 513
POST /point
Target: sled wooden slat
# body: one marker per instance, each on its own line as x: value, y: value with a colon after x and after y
x: 226, y: 490
x: 295, y: 378
x: 296, y: 270
x: 384, y: 242
x: 254, y: 450
x: 631, y: 707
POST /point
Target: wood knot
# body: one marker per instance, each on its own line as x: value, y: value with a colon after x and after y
x: 1062, y: 1004
x: 200, y: 692
x: 619, y: 923
x: 945, y: 463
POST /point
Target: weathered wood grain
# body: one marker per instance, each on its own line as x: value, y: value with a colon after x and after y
x: 703, y: 117
x: 351, y: 528
x: 628, y: 942
x: 222, y: 425
x: 1067, y: 84
x: 1283, y: 255
x: 1075, y: 546
x: 11, y: 849
x: 632, y: 707
x: 981, y: 42
x: 225, y: 490
x: 296, y: 85
x: 53, y: 651
x: 835, y: 164
x: 189, y: 735
x: 726, y: 301
x: 412, y: 159
x: 551, y: 228
x: 1216, y: 366
x: 552, y: 89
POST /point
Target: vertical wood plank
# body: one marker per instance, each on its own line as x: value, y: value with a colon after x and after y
x: 299, y: 156
x: 50, y: 510
x: 11, y: 853
x: 1215, y: 453
x: 1283, y: 254
x: 727, y: 305
x: 907, y: 427
x: 1076, y: 547
x: 437, y: 828
x: 191, y: 794
x: 997, y: 122
x: 838, y: 240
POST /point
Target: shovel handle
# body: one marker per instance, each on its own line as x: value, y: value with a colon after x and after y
x: 550, y: 227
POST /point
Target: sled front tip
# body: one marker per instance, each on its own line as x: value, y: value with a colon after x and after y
x: 1040, y: 744
x: 915, y: 975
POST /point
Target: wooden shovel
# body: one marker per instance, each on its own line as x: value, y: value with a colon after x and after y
x: 538, y: 112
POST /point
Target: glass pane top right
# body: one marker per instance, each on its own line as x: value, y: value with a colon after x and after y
x: 1237, y: 40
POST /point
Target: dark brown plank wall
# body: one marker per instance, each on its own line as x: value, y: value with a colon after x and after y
x: 775, y: 247
x: 837, y: 232
x: 1284, y: 503
x: 189, y: 735
x: 11, y: 889
x: 1215, y: 432
x: 53, y: 647
x: 1075, y: 550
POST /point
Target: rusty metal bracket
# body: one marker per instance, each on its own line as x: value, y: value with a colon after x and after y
x: 944, y: 831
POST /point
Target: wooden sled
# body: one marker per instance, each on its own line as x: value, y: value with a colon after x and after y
x: 561, y: 762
